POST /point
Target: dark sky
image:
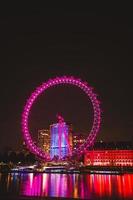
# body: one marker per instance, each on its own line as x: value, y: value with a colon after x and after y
x: 38, y: 43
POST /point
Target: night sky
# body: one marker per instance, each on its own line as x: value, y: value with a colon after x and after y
x: 39, y: 43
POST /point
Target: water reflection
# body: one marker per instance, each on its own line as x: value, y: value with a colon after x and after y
x: 89, y: 186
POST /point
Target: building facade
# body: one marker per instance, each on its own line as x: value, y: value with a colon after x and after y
x: 44, y: 140
x: 78, y: 140
x: 61, y: 140
x: 109, y: 158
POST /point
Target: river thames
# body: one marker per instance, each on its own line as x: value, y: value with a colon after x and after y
x: 84, y: 186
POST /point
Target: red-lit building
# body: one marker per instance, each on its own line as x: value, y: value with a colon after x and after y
x: 109, y: 158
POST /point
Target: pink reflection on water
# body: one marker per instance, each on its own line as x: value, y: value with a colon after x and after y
x: 45, y: 185
x: 78, y: 186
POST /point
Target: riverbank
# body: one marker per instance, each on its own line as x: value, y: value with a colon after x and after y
x: 70, y: 170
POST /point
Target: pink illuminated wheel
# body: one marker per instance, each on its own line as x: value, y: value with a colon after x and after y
x: 42, y: 88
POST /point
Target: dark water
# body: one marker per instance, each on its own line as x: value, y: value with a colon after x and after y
x: 86, y: 186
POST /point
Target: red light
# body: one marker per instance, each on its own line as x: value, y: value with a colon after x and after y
x: 109, y: 158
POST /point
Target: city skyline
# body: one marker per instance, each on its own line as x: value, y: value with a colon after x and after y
x: 66, y: 101
x: 97, y: 51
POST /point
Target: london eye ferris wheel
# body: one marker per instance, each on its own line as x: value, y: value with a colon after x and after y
x: 67, y: 80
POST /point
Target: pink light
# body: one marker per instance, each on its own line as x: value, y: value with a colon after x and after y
x: 56, y: 81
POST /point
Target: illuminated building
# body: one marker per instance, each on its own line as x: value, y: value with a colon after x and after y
x: 61, y: 139
x: 70, y: 137
x: 78, y: 140
x: 44, y: 139
x: 109, y: 158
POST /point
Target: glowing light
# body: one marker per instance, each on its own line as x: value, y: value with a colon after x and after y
x: 60, y: 144
x: 84, y: 186
x: 109, y: 158
x: 50, y: 83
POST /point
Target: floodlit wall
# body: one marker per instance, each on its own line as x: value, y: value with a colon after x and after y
x: 109, y: 158
x: 59, y: 140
